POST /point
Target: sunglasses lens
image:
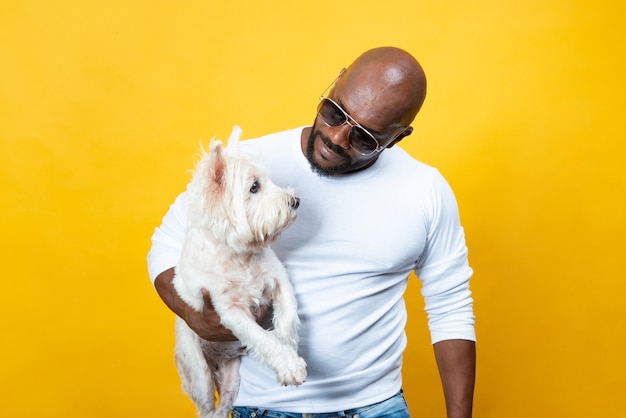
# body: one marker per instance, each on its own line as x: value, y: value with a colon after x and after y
x: 361, y: 141
x: 331, y: 114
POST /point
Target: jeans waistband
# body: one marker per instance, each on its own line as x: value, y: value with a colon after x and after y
x: 244, y: 412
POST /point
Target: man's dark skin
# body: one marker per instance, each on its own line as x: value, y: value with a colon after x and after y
x: 383, y: 90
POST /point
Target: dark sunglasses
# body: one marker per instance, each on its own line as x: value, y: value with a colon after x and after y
x: 361, y: 140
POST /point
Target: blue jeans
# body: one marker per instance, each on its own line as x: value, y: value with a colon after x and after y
x: 394, y: 407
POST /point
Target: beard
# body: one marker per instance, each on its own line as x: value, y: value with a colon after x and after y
x: 323, y: 171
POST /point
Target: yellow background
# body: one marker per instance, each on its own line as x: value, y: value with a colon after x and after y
x: 103, y: 105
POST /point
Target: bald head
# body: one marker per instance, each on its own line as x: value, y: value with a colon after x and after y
x: 369, y: 109
x: 389, y: 77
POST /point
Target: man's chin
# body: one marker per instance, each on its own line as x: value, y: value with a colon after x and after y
x: 320, y: 169
x: 325, y: 171
x: 316, y: 158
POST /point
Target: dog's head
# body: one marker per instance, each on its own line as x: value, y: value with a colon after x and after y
x: 232, y: 197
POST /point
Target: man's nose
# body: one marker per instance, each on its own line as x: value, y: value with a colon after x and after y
x: 339, y: 135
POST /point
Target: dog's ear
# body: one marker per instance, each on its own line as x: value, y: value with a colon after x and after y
x: 219, y: 167
x: 233, y: 139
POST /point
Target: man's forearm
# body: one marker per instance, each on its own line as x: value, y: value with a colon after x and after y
x: 165, y: 288
x: 456, y: 360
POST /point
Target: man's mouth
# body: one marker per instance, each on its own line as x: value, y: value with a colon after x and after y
x: 329, y: 151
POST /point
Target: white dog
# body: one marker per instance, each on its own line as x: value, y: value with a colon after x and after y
x: 235, y: 212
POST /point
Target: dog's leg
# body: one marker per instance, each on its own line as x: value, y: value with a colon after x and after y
x: 193, y: 369
x: 285, y: 319
x: 228, y: 379
x: 290, y: 369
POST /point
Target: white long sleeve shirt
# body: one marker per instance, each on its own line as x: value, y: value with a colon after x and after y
x: 349, y: 253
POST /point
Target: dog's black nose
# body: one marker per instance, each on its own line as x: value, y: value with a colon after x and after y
x: 295, y: 202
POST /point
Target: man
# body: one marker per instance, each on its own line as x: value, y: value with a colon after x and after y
x: 369, y: 215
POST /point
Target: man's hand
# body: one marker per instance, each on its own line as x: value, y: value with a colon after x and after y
x: 206, y: 324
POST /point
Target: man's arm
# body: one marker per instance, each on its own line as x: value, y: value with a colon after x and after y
x: 206, y: 323
x: 456, y: 360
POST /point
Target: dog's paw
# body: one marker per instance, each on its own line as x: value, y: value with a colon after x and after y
x: 292, y: 370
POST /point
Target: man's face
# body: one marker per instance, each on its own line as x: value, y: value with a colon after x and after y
x: 328, y: 158
x: 359, y: 109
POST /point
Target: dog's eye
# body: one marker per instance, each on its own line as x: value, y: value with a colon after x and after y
x: 255, y: 187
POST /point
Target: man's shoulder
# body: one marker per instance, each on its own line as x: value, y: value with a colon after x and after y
x: 402, y: 160
x: 272, y: 138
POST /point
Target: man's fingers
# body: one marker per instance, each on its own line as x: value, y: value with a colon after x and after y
x: 207, y: 298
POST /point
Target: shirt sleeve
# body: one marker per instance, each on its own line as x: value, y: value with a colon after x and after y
x: 167, y: 239
x: 444, y: 269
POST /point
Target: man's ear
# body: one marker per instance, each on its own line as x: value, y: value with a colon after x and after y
x: 407, y: 131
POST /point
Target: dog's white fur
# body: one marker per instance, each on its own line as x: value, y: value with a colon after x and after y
x: 235, y: 212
